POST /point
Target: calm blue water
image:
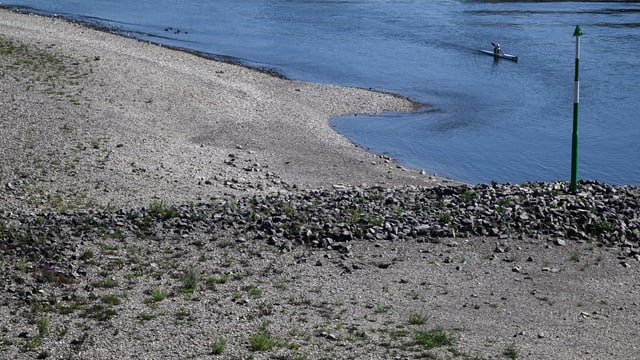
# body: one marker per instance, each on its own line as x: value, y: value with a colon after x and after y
x: 485, y: 120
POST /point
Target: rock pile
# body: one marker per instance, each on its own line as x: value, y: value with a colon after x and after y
x: 52, y: 243
x: 604, y: 214
x: 73, y: 262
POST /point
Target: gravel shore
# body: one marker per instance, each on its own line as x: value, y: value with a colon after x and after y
x: 124, y: 122
x: 156, y: 204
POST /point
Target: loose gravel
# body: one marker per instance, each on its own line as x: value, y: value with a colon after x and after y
x: 155, y: 204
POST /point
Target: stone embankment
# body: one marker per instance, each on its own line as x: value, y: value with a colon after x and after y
x: 600, y: 214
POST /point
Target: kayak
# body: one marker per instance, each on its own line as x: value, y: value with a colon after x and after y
x: 501, y: 56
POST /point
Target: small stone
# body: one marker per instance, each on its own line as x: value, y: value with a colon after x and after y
x: 287, y: 245
x: 422, y: 229
x: 328, y: 335
x: 560, y: 242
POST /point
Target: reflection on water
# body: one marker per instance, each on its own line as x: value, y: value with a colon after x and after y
x: 554, y: 12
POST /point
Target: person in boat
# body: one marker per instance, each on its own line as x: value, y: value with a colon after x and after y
x: 496, y: 49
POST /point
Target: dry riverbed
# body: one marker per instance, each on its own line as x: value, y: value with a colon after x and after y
x: 156, y: 204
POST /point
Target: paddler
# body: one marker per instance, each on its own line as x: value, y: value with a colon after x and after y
x: 496, y: 49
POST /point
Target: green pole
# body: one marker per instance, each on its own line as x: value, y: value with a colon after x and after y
x: 573, y: 187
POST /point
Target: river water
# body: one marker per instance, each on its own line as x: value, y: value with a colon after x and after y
x: 483, y: 121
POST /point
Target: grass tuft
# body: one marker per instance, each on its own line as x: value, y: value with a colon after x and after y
x: 163, y: 210
x: 189, y: 282
x: 431, y: 339
x: 111, y: 299
x: 143, y: 316
x: 511, y: 352
x: 43, y: 326
x: 417, y: 319
x: 261, y: 342
x: 217, y: 347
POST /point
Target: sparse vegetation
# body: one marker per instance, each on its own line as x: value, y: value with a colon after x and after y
x: 106, y: 284
x: 157, y: 295
x: 605, y: 225
x: 511, y: 352
x: 189, y: 282
x: 217, y: 347
x: 43, y: 326
x: 445, y: 218
x: 417, y: 319
x: 42, y: 69
x: 143, y: 316
x: 163, y: 210
x: 430, y: 339
x: 111, y: 299
x: 261, y: 341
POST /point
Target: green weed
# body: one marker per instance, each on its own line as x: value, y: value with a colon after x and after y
x: 163, y: 210
x: 511, y: 351
x: 111, y: 299
x: 143, y: 316
x: 189, y: 282
x: 157, y: 295
x: 217, y: 347
x: 43, y: 326
x: 417, y: 319
x: 261, y: 342
x: 434, y: 338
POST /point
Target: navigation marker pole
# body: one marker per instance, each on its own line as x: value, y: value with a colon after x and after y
x: 576, y: 100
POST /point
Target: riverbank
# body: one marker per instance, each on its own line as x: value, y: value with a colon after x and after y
x: 160, y: 205
x: 501, y: 271
x: 93, y: 119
